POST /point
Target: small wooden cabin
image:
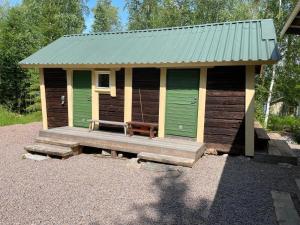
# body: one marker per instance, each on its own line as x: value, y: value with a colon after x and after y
x: 196, y: 81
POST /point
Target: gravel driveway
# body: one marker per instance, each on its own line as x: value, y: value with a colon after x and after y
x: 90, y: 190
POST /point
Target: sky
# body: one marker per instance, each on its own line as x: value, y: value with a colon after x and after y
x: 90, y: 18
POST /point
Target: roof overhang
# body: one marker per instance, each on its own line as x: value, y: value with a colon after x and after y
x: 158, y: 65
x: 292, y: 25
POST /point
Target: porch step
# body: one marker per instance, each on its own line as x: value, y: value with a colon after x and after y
x: 51, y: 150
x: 58, y: 142
x: 166, y: 159
x: 285, y: 210
x: 278, y: 152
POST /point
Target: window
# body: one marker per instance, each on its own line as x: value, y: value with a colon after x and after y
x: 103, y: 79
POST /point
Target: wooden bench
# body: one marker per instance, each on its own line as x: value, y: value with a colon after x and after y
x: 142, y: 127
x: 93, y: 123
x: 261, y: 139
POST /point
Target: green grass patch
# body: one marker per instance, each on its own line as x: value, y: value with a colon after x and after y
x: 9, y: 118
x: 289, y: 124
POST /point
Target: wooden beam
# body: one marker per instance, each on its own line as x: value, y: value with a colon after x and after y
x: 162, y: 102
x: 128, y: 95
x: 155, y: 65
x: 70, y: 96
x: 95, y: 98
x: 201, y: 104
x: 249, y: 111
x: 43, y: 99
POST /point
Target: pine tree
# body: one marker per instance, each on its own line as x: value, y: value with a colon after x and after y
x: 106, y: 17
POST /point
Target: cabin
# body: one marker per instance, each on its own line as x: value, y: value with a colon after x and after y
x: 186, y: 87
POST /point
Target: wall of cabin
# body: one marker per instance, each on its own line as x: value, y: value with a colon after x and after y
x: 224, y: 102
x: 145, y: 94
x: 224, y: 126
x: 56, y: 86
x: 112, y: 108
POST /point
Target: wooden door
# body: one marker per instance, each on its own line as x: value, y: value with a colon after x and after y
x: 82, y: 95
x: 56, y: 89
x: 182, y: 102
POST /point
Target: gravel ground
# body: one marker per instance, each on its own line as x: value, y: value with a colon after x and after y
x: 90, y: 190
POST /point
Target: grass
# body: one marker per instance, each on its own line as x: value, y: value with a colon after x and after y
x: 288, y: 124
x: 9, y: 118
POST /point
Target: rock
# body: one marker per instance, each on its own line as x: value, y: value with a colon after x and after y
x: 133, y: 163
x: 34, y: 157
x: 225, y: 155
x: 120, y: 155
x: 106, y: 153
x: 159, y: 167
x: 285, y: 165
x: 211, y: 151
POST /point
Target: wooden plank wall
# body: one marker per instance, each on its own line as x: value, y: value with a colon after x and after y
x: 56, y: 86
x: 225, y: 109
x: 145, y: 90
x: 112, y: 108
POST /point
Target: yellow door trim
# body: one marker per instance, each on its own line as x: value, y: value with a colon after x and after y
x: 249, y: 110
x: 43, y: 99
x: 162, y: 102
x: 201, y: 104
x: 70, y: 96
x: 128, y: 95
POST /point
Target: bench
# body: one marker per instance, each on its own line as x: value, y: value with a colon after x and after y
x: 93, y: 123
x: 261, y: 139
x: 142, y: 127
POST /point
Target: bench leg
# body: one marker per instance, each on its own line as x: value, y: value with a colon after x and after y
x: 114, y: 154
x: 152, y: 132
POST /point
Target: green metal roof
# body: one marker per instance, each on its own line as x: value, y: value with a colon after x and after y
x: 252, y: 40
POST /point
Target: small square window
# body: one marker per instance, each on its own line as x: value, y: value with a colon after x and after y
x: 103, y: 80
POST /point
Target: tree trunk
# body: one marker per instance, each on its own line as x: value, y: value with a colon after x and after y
x: 270, y: 96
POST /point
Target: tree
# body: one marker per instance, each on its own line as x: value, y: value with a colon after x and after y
x: 106, y: 17
x: 25, y: 29
x: 143, y: 14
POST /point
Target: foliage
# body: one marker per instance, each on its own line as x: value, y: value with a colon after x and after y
x: 8, y: 118
x: 24, y: 29
x: 284, y: 123
x: 106, y: 17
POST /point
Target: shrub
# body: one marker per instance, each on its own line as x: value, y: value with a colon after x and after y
x: 284, y: 123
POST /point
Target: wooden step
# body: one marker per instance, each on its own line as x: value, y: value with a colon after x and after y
x: 58, y: 142
x: 166, y: 159
x: 51, y: 150
x: 285, y: 210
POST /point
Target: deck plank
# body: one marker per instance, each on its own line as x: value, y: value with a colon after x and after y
x: 120, y: 142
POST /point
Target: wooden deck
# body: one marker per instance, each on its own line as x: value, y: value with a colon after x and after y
x: 168, y: 147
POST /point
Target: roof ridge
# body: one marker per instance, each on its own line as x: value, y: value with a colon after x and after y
x: 165, y: 28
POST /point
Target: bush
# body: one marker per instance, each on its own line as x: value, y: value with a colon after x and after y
x: 289, y: 124
x: 284, y: 123
x: 297, y: 136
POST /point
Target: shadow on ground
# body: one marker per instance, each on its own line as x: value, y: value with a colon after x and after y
x: 242, y: 197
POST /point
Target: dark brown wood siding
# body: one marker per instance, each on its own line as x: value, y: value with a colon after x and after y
x: 145, y: 94
x: 56, y: 86
x: 225, y: 109
x: 112, y: 108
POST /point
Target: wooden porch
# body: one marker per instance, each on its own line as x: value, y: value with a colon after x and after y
x: 166, y: 150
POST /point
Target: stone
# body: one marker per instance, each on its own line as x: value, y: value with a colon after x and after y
x: 211, y: 151
x: 285, y: 210
x: 106, y: 153
x: 285, y: 165
x: 120, y: 155
x: 225, y: 155
x: 133, y: 163
x: 34, y: 157
x: 159, y: 167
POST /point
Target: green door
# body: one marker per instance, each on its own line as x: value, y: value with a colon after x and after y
x: 82, y: 94
x: 182, y: 102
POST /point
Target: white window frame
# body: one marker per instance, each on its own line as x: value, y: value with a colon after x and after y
x: 112, y: 82
x: 99, y: 73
